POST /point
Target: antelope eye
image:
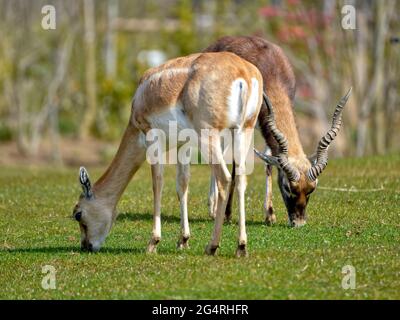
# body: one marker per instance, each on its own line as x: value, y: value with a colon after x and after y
x: 78, y: 216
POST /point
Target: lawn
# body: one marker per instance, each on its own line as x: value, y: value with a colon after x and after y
x: 361, y: 229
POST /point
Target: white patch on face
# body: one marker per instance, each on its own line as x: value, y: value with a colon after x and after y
x: 252, y: 104
x: 167, y: 73
x: 235, y: 103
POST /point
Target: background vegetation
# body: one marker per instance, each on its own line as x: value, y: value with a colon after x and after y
x: 61, y: 88
x: 65, y: 99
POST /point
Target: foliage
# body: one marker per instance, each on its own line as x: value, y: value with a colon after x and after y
x: 326, y: 58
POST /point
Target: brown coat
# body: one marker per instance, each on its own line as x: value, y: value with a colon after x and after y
x: 279, y: 84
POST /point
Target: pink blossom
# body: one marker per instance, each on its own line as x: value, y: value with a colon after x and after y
x: 269, y: 12
x: 293, y: 2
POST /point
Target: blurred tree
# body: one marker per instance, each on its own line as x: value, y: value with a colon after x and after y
x: 54, y: 83
x: 89, y: 115
x: 31, y: 85
x: 328, y: 59
x: 111, y: 49
x: 184, y: 38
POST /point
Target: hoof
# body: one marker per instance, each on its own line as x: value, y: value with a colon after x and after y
x: 211, y: 250
x: 270, y: 217
x: 152, y: 246
x: 241, y: 251
x: 183, y: 243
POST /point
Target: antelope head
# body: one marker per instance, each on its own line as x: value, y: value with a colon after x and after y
x: 297, y: 179
x: 93, y: 214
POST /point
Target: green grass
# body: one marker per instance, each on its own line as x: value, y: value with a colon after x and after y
x: 344, y: 228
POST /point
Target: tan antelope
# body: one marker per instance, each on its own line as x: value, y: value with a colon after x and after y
x: 297, y: 174
x: 214, y: 91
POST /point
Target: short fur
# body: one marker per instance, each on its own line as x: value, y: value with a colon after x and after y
x: 280, y: 86
x: 196, y: 89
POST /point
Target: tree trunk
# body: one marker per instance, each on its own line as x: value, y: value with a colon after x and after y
x: 382, y: 19
x: 55, y: 135
x: 362, y: 131
x: 371, y: 95
x: 90, y: 72
x: 111, y: 50
x: 51, y: 107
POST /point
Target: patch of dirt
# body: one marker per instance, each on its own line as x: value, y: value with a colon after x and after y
x: 73, y: 152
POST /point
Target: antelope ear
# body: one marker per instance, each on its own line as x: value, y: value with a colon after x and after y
x: 267, y: 158
x: 85, y: 183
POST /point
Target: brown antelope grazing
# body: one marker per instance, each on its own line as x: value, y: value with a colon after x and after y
x: 206, y: 91
x: 297, y: 176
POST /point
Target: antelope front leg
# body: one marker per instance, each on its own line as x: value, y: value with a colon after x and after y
x: 182, y: 184
x: 270, y: 217
x: 157, y: 176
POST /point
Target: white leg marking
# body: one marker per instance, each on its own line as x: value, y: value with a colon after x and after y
x: 157, y: 176
x: 212, y: 196
x: 242, y: 141
x: 270, y: 217
x: 182, y: 186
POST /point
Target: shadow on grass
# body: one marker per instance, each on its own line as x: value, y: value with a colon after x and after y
x: 73, y: 250
x: 134, y: 216
x: 141, y: 216
x: 162, y: 251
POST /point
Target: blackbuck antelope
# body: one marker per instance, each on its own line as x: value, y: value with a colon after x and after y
x: 297, y: 176
x: 207, y: 91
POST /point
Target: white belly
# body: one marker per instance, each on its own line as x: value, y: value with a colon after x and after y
x: 171, y: 122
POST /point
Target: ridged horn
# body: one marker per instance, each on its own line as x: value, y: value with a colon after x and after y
x: 292, y: 172
x: 268, y: 159
x: 323, y: 145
